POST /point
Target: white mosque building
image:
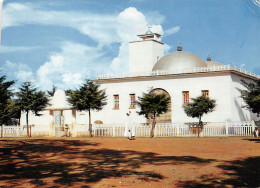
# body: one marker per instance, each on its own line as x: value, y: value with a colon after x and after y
x: 180, y: 75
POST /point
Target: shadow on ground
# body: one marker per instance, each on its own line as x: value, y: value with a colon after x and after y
x: 238, y: 173
x: 256, y: 140
x: 40, y: 162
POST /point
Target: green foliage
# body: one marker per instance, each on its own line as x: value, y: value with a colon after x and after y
x: 199, y: 106
x: 51, y: 93
x: 252, y: 95
x: 5, y: 100
x: 153, y: 105
x: 30, y: 99
x: 88, y: 97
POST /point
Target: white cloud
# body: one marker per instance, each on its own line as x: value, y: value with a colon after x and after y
x: 130, y: 23
x: 100, y: 28
x: 242, y: 65
x: 172, y: 31
x: 71, y: 66
x: 9, y: 49
x: 21, y: 72
x: 75, y: 62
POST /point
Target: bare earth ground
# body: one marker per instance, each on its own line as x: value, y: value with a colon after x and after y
x: 118, y: 162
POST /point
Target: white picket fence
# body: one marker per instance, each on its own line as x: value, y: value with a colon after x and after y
x: 215, y: 129
x: 179, y: 130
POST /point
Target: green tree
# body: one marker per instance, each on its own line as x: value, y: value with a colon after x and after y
x: 5, y: 100
x: 153, y: 105
x: 30, y: 99
x: 251, y: 95
x: 198, y: 107
x: 88, y: 97
x: 51, y: 93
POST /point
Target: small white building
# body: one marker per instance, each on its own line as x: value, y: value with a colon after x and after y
x: 181, y: 75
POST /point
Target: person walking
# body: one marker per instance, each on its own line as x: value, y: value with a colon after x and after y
x: 129, y: 128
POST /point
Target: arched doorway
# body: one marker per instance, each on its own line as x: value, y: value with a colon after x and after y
x: 166, y: 117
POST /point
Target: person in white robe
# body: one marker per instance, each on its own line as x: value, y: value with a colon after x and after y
x: 129, y: 127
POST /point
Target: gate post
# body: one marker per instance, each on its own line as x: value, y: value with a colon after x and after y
x: 226, y: 126
x: 178, y: 129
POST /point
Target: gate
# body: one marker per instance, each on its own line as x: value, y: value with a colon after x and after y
x: 59, y: 123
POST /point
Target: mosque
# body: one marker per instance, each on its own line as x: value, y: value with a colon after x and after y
x: 180, y: 75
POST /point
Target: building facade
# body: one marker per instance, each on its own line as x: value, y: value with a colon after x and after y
x: 180, y: 75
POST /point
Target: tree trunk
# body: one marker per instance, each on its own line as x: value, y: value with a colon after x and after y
x: 153, y: 126
x: 27, y: 123
x: 90, y: 125
x: 199, y: 126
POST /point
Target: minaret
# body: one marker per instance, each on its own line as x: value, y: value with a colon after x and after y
x: 143, y: 54
x: 1, y: 6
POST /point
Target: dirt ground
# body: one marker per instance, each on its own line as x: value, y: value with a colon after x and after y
x: 118, y: 162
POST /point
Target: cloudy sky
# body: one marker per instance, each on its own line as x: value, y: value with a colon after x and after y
x: 62, y: 42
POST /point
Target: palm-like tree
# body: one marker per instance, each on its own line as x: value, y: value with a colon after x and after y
x: 153, y: 105
x: 30, y: 99
x: 88, y: 97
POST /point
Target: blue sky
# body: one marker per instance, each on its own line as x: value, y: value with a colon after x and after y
x: 62, y: 42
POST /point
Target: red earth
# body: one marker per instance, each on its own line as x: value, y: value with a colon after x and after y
x: 118, y: 162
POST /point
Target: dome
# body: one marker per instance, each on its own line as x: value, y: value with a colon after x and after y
x: 179, y: 60
x: 213, y: 63
x: 59, y: 101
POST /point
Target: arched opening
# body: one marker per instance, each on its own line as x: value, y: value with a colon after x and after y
x: 166, y: 117
x: 98, y: 122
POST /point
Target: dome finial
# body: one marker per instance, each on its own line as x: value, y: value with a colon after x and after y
x: 209, y: 57
x: 148, y: 32
x: 179, y: 46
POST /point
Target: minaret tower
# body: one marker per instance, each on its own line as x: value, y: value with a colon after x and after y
x: 1, y: 6
x: 143, y: 54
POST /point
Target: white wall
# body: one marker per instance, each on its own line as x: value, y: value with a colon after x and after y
x: 36, y: 120
x: 144, y: 54
x: 240, y: 112
x: 219, y: 87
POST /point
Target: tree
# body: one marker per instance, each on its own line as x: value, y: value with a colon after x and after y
x: 30, y: 99
x: 198, y: 107
x: 51, y: 93
x: 5, y: 100
x: 88, y: 97
x: 153, y: 105
x: 251, y: 95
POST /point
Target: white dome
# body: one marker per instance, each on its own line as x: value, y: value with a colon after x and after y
x: 59, y: 101
x: 213, y: 63
x: 179, y: 60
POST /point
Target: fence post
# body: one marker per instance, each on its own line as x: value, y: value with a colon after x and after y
x: 155, y: 132
x: 17, y: 131
x: 114, y: 131
x: 226, y: 125
x: 178, y: 129
x: 253, y: 127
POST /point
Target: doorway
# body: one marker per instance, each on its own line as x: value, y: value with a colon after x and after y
x: 58, y: 123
